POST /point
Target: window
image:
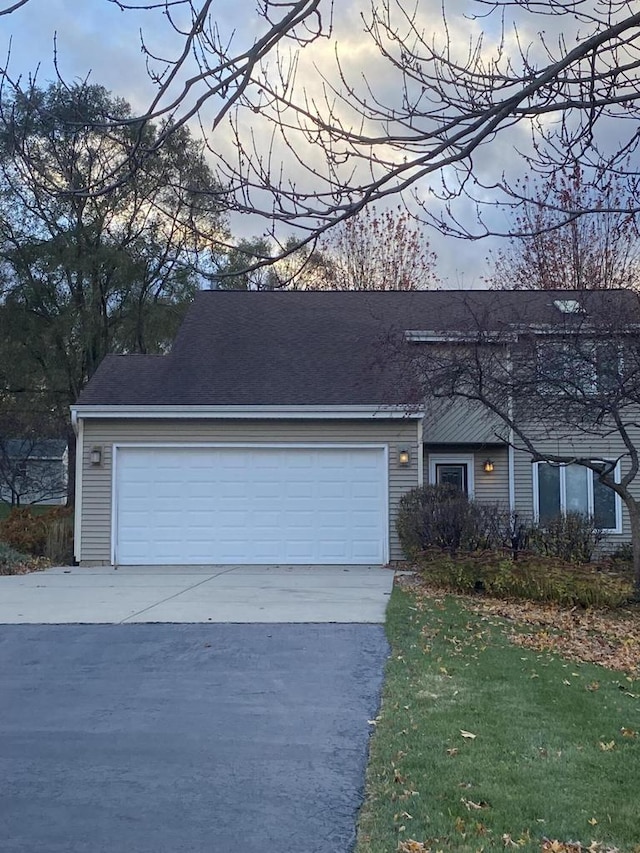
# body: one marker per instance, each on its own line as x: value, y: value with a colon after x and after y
x: 577, y: 366
x: 452, y: 475
x: 574, y: 488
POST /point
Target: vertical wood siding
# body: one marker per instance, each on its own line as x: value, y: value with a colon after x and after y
x: 96, y: 493
x: 461, y: 422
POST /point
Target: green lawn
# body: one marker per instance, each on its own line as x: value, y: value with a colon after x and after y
x: 555, y: 752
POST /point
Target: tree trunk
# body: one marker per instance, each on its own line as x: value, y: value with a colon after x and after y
x: 634, y: 517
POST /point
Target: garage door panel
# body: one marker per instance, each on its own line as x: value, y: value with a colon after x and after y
x: 265, y: 518
x: 363, y: 552
x: 250, y: 505
x: 299, y: 552
x: 263, y: 557
x: 199, y: 490
x: 333, y: 552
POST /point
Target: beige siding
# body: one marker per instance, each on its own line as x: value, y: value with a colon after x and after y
x: 489, y: 488
x: 460, y: 422
x: 493, y: 487
x: 96, y: 488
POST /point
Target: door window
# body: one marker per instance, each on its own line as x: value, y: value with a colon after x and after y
x: 453, y: 474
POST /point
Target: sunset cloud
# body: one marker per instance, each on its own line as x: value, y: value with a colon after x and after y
x: 98, y: 41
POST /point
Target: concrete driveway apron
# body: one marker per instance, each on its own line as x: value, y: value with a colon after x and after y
x: 163, y: 738
x: 197, y: 594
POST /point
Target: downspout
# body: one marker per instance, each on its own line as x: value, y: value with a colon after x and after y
x: 420, y: 453
x: 511, y: 452
x: 78, y: 427
x: 512, y: 474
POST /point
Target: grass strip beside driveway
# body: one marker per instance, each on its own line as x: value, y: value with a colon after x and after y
x: 484, y: 745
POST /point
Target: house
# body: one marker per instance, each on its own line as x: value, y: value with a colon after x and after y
x: 284, y: 427
x: 33, y: 471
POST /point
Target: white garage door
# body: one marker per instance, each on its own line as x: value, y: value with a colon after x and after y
x: 201, y: 505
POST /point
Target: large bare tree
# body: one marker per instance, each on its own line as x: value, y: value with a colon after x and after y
x: 588, y: 252
x: 375, y: 250
x: 378, y: 250
x: 436, y: 110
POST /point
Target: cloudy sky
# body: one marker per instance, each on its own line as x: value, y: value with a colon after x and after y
x: 95, y: 39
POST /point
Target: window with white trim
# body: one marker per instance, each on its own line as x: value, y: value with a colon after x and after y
x: 558, y: 489
x: 579, y: 366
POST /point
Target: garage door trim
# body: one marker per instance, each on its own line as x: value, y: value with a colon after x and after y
x: 157, y: 445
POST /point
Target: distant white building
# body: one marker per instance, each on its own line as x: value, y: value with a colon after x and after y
x: 33, y: 471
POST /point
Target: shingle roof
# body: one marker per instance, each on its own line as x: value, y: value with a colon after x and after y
x: 241, y: 348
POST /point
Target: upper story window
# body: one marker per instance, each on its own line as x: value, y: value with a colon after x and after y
x: 575, y: 366
x: 558, y: 489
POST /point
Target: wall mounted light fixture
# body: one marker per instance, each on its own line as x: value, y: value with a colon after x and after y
x: 96, y: 456
x: 404, y: 457
x: 488, y: 466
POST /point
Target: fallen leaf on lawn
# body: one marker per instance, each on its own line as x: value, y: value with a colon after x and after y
x: 592, y: 821
x: 468, y: 735
x: 556, y: 846
x: 470, y: 805
x: 459, y: 825
x: 593, y: 686
x: 508, y: 841
x: 412, y: 846
x: 452, y: 752
x: 628, y: 732
x: 607, y: 747
x: 407, y: 794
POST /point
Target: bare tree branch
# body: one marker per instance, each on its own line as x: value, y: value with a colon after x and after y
x: 9, y: 9
x: 308, y: 142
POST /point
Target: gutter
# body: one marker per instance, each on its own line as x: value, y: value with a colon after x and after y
x: 366, y: 412
x: 78, y: 427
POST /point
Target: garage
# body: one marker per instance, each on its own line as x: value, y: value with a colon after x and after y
x: 244, y: 504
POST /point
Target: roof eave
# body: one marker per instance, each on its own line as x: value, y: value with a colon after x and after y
x: 315, y: 412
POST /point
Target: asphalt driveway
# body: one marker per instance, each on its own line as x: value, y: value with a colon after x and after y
x: 171, y: 738
x: 206, y: 738
x: 189, y: 594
